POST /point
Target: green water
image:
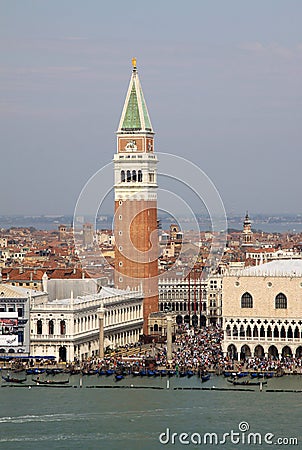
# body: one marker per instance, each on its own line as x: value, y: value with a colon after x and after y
x: 129, y: 419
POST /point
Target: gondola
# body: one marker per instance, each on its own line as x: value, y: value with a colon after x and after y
x: 90, y: 372
x: 35, y: 371
x: 206, y: 377
x: 54, y: 371
x: 52, y: 382
x: 227, y: 374
x: 182, y: 374
x: 13, y: 380
x: 242, y: 374
x: 119, y: 376
x: 246, y: 383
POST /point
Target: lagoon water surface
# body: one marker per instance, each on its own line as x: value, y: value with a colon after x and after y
x: 49, y: 418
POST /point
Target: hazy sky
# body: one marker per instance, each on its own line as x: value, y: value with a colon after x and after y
x: 222, y: 81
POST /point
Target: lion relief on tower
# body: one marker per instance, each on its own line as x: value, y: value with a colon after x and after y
x: 131, y: 146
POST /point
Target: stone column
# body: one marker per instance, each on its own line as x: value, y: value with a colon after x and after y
x: 169, y: 338
x: 101, y: 332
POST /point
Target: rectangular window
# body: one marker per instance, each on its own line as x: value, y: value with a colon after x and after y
x: 20, y: 337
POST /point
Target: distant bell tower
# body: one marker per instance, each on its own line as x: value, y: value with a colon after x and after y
x: 247, y: 234
x: 135, y: 222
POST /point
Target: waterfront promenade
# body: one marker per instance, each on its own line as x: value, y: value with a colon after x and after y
x: 195, y: 351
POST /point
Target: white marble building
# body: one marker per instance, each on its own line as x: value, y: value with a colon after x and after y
x: 69, y: 328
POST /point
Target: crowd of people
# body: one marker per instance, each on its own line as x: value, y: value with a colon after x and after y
x: 197, y: 350
x: 201, y: 350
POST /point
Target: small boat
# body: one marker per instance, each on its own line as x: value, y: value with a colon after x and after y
x: 90, y: 372
x: 135, y: 373
x: 143, y: 373
x: 269, y: 375
x: 75, y: 371
x: 52, y: 382
x: 119, y: 376
x: 246, y: 383
x: 182, y: 374
x: 9, y: 379
x: 227, y: 374
x: 242, y: 374
x: 35, y: 371
x: 109, y: 372
x: 102, y: 372
x: 206, y: 377
x: 190, y: 373
x: 171, y: 373
x: 163, y: 373
x: 254, y: 375
x: 156, y: 373
x: 53, y: 371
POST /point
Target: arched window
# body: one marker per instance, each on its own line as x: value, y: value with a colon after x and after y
x: 122, y: 176
x: 50, y: 327
x: 155, y: 327
x: 296, y: 334
x: 128, y: 175
x: 133, y: 175
x: 62, y: 327
x: 280, y: 301
x: 246, y: 300
x: 139, y: 176
x: 39, y: 326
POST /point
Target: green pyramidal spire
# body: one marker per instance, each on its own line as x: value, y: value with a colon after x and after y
x: 135, y: 115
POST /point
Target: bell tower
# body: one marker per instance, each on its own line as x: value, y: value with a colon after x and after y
x: 135, y: 189
x: 247, y: 233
